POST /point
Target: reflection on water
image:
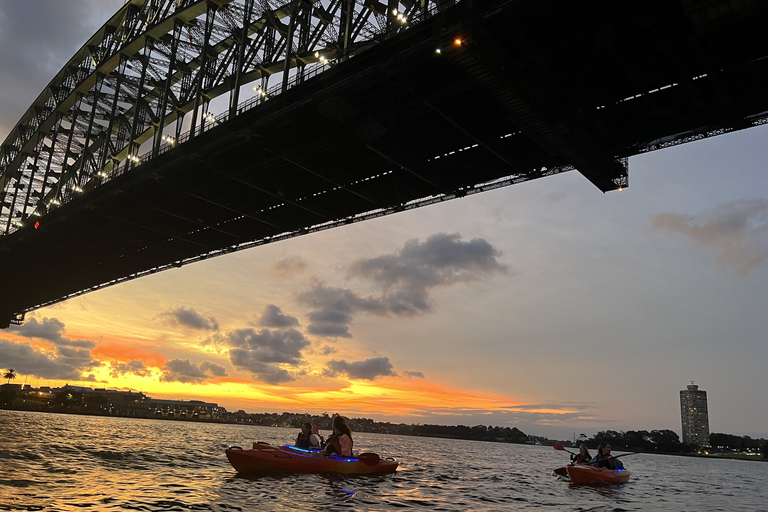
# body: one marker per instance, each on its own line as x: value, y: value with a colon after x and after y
x: 63, y: 463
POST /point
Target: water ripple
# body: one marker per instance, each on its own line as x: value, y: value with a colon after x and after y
x: 78, y: 462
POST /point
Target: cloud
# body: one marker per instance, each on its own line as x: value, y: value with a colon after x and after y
x: 190, y: 318
x: 738, y: 231
x: 214, y: 369
x: 413, y: 374
x: 183, y: 370
x: 49, y: 330
x: 370, y: 369
x: 292, y: 265
x: 135, y: 367
x: 262, y: 352
x: 274, y: 317
x: 403, y: 280
x: 327, y: 350
x: 65, y: 363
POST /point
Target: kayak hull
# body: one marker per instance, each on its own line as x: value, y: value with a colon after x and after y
x: 581, y: 474
x: 279, y: 459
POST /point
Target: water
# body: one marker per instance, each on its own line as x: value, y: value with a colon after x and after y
x: 62, y: 463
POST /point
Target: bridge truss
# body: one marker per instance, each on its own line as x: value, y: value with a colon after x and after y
x: 144, y: 82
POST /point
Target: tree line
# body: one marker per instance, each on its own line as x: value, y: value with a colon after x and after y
x: 667, y: 441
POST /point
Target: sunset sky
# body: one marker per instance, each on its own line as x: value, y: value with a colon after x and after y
x: 547, y: 305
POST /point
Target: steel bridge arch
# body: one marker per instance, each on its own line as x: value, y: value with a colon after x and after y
x: 132, y: 85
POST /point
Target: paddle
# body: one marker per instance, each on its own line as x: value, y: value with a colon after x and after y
x: 369, y: 458
x: 558, y: 446
x: 616, y: 457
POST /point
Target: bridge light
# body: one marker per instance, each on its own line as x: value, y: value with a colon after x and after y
x: 394, y: 12
x: 438, y: 51
x: 37, y: 224
x: 457, y: 42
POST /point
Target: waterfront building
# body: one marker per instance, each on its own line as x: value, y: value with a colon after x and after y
x: 694, y: 415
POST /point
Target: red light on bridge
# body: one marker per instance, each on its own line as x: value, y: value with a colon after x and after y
x: 37, y: 225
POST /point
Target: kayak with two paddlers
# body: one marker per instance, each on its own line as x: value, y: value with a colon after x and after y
x: 594, y: 471
x: 265, y: 457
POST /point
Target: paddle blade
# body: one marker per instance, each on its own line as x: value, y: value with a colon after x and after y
x: 369, y: 458
x: 558, y: 446
x: 561, y: 471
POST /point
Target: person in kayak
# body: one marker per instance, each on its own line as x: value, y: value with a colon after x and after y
x: 340, y: 441
x: 583, y: 457
x: 606, y: 460
x: 594, y: 459
x: 306, y: 438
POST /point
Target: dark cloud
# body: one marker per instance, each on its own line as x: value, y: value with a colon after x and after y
x: 65, y: 363
x: 214, y: 369
x: 328, y: 350
x: 262, y: 352
x: 184, y: 370
x: 404, y: 279
x: 49, y: 330
x: 263, y: 372
x: 442, y: 260
x: 135, y: 367
x: 188, y: 317
x: 274, y: 317
x: 413, y: 374
x: 738, y: 231
x: 370, y: 369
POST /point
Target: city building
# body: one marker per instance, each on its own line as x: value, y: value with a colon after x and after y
x: 694, y: 415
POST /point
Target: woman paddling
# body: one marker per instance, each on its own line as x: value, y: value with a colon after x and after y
x: 583, y: 457
x: 606, y: 460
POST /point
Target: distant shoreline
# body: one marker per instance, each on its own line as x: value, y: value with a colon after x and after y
x: 54, y: 410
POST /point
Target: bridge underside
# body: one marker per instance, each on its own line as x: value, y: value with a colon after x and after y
x: 522, y: 90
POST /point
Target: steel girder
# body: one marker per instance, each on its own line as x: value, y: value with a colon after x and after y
x: 129, y: 89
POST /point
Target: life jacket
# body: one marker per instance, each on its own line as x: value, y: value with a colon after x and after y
x: 302, y: 440
x: 339, y: 445
x: 609, y: 462
x: 581, y: 459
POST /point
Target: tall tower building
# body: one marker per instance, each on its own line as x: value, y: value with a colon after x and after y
x: 694, y: 414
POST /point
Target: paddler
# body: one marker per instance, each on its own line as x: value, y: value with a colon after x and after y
x: 340, y: 441
x: 306, y: 438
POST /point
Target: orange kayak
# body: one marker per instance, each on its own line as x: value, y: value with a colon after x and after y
x: 582, y: 474
x: 273, y: 458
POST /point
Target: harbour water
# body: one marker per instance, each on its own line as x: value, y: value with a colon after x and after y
x: 57, y: 462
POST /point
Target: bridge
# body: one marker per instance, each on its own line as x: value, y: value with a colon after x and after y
x: 187, y: 129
